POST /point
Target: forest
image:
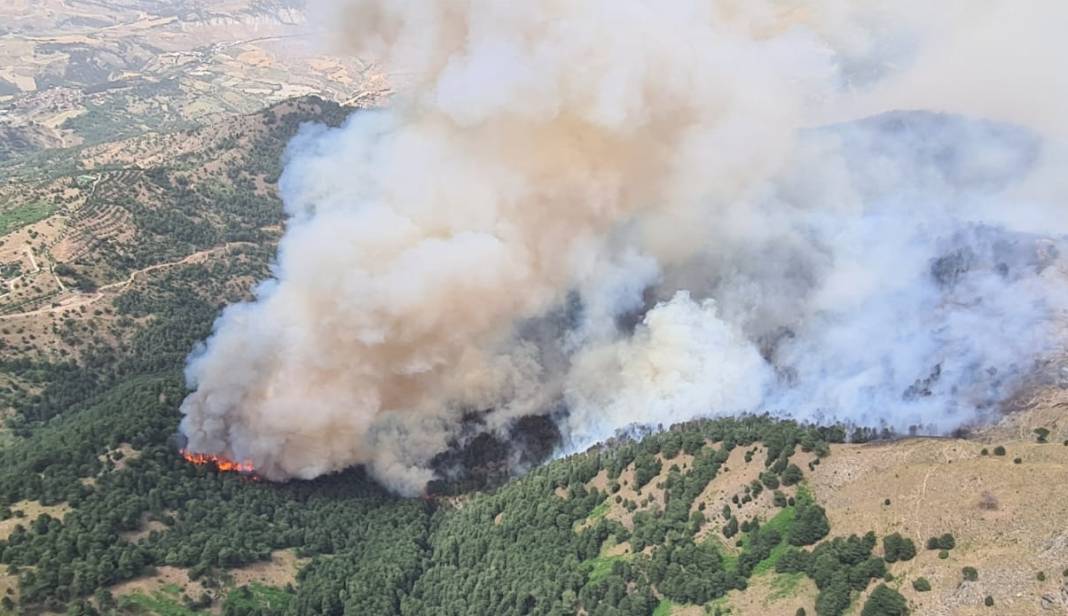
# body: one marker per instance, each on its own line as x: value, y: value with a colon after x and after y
x: 372, y: 553
x: 96, y: 434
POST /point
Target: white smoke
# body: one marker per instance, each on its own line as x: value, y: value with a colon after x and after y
x: 681, y: 360
x: 645, y: 212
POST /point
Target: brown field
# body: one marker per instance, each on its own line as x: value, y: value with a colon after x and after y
x: 164, y: 576
x: 1010, y: 520
x: 153, y: 65
x: 30, y: 511
x: 280, y: 570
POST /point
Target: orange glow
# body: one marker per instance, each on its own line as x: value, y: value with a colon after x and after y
x: 221, y: 463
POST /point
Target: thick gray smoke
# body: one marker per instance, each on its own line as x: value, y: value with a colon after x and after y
x: 645, y: 212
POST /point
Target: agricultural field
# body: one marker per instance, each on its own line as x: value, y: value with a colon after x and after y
x: 79, y: 72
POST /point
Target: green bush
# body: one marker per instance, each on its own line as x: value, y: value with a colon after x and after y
x: 838, y: 567
x: 646, y: 466
x: 885, y: 601
x: 989, y: 601
x: 921, y: 584
x: 943, y: 542
x: 810, y: 526
x: 896, y: 547
x: 792, y: 475
x: 970, y: 574
x: 770, y: 480
x: 999, y: 451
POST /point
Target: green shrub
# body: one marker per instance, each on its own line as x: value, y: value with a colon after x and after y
x: 770, y: 480
x: 944, y: 554
x: 989, y: 601
x: 885, y: 601
x: 839, y: 567
x: 896, y: 547
x: 921, y: 584
x: 1041, y: 577
x: 970, y: 574
x: 791, y: 475
x: 999, y: 451
x: 810, y: 525
x: 943, y: 542
x: 646, y: 466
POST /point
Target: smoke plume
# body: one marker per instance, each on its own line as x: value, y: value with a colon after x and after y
x: 626, y: 211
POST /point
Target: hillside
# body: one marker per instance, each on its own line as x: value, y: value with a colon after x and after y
x: 141, y: 145
x: 84, y: 72
x: 109, y: 286
x: 101, y: 501
x: 101, y: 512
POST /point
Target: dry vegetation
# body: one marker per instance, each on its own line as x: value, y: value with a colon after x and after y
x: 1009, y: 519
x: 60, y: 276
x: 83, y: 72
x: 731, y: 483
x: 163, y: 580
x: 279, y: 571
x: 648, y: 497
x: 28, y: 511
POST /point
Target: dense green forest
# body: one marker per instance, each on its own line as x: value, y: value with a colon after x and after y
x: 376, y: 554
x: 96, y: 433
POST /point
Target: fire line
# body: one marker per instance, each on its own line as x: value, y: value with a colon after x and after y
x: 221, y: 463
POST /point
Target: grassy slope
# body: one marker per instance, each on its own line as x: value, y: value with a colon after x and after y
x: 23, y: 215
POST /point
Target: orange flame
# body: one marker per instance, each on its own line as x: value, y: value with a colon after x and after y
x: 223, y: 464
